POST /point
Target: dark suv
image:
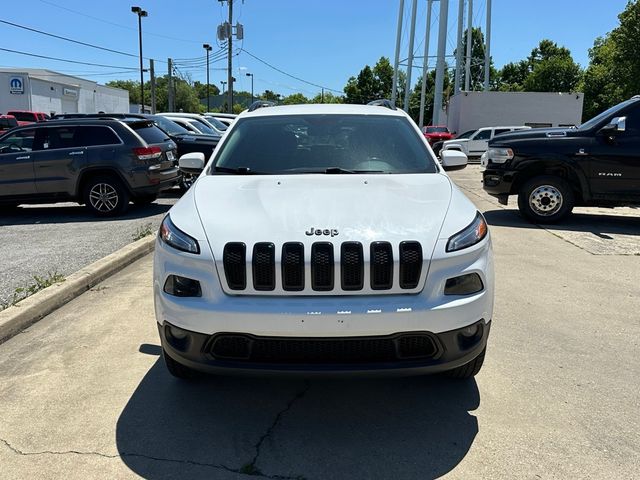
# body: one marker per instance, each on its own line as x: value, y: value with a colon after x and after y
x: 103, y: 163
x: 551, y: 171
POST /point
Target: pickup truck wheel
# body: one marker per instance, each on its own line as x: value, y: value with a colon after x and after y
x: 545, y: 199
x: 470, y: 369
x: 177, y: 369
x: 106, y: 196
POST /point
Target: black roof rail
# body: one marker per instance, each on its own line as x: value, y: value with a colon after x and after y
x: 383, y: 102
x: 261, y: 104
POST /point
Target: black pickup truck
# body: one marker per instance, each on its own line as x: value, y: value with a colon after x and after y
x: 551, y: 171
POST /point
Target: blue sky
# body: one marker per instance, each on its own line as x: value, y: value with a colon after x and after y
x: 323, y: 42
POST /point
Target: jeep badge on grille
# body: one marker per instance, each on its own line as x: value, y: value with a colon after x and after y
x: 317, y: 231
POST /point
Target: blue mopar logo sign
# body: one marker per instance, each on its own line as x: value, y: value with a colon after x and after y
x: 16, y: 85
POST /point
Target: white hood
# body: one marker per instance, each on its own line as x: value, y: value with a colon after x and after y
x: 364, y: 208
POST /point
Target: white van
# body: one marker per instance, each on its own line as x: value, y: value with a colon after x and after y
x: 475, y: 144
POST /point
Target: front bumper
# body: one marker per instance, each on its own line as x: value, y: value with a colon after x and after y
x: 286, y: 355
x: 498, y: 182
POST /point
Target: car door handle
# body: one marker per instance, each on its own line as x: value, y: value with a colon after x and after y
x: 79, y: 152
x: 26, y: 157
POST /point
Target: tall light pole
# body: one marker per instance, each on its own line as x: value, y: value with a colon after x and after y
x: 141, y: 13
x: 207, y: 47
x: 251, y: 75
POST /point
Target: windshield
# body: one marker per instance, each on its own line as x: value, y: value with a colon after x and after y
x: 201, y: 126
x: 216, y: 123
x: 172, y: 128
x: 324, y: 144
x: 23, y: 116
x: 437, y: 130
x: 466, y: 134
x: 608, y: 113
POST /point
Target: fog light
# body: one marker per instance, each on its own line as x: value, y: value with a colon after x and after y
x: 464, y: 285
x: 469, y: 331
x: 182, y: 286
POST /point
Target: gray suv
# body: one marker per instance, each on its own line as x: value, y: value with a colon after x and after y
x: 102, y: 163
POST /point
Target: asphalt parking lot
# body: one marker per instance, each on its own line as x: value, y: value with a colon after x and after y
x: 64, y: 237
x: 84, y: 393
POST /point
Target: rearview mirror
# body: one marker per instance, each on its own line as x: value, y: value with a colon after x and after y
x: 192, y: 163
x: 453, y: 160
x: 616, y: 125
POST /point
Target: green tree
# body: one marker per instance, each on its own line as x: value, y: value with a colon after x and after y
x: 201, y: 89
x: 552, y: 69
x: 270, y: 96
x: 328, y: 97
x: 295, y: 99
x: 374, y: 83
x: 601, y: 84
x: 512, y: 76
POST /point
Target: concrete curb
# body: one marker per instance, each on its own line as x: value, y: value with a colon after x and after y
x: 28, y: 311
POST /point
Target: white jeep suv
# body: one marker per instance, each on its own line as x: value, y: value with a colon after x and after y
x: 323, y: 238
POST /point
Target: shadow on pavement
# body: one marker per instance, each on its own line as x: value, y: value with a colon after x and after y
x: 418, y: 427
x: 73, y: 213
x: 576, y: 222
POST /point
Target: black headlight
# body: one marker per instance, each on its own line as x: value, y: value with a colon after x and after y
x: 176, y: 238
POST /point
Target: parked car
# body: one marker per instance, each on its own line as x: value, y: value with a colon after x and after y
x: 436, y: 133
x: 201, y: 123
x: 551, y: 171
x: 186, y: 142
x: 24, y: 117
x: 7, y: 122
x: 437, y: 146
x: 226, y: 118
x: 102, y: 163
x: 477, y: 143
x: 344, y: 250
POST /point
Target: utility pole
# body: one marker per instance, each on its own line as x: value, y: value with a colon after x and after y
x: 487, y: 50
x: 457, y: 82
x: 322, y: 96
x: 170, y: 102
x: 152, y: 75
x: 442, y: 44
x: 230, y: 55
x: 425, y: 66
x: 412, y: 35
x: 396, y: 62
x: 467, y: 73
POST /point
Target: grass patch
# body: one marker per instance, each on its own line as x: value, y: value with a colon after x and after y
x: 39, y: 283
x: 143, y: 231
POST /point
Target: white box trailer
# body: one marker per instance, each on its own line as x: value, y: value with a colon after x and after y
x: 473, y: 110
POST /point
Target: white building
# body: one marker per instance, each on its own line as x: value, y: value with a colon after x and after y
x: 41, y: 90
x: 473, y: 110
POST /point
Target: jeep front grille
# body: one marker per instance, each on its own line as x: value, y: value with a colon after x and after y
x: 318, y: 269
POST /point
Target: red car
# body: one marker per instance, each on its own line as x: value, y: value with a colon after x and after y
x: 7, y: 122
x: 436, y: 133
x: 24, y: 117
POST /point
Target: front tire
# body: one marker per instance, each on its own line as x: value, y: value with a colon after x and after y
x: 468, y: 370
x: 178, y: 370
x: 106, y: 196
x: 545, y: 199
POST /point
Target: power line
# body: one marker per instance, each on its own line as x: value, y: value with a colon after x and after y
x: 289, y: 75
x: 24, y: 27
x: 115, y: 24
x: 65, y: 59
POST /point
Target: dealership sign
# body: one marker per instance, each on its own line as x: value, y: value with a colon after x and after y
x: 16, y: 85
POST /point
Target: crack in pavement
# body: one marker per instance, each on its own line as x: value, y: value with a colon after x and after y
x: 251, y: 468
x: 17, y: 451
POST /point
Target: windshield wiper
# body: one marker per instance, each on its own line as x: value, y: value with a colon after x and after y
x: 339, y: 170
x: 238, y: 170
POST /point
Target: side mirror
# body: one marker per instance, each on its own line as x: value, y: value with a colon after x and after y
x: 453, y: 160
x: 192, y: 163
x: 616, y: 125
